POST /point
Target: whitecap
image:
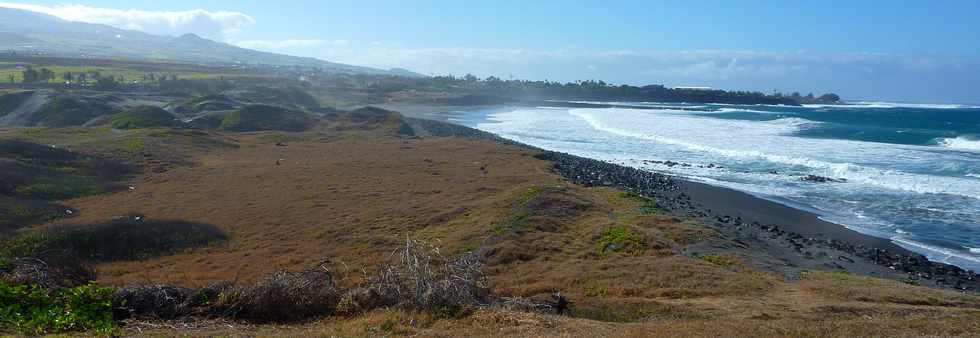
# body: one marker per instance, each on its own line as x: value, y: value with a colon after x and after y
x: 885, y: 104
x: 959, y: 143
x: 889, y: 179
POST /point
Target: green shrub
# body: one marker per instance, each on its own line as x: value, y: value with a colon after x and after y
x: 142, y: 117
x: 722, y: 260
x: 618, y: 239
x: 31, y: 310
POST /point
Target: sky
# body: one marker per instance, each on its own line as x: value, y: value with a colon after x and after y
x: 915, y: 51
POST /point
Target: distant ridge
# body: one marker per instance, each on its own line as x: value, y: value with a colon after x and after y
x: 24, y: 31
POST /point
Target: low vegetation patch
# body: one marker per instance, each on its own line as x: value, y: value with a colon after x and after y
x: 64, y: 111
x: 10, y: 101
x: 127, y: 238
x: 620, y: 239
x: 518, y: 218
x: 33, y: 175
x: 418, y: 278
x: 143, y: 117
x: 259, y: 117
x: 647, y: 205
x: 17, y: 212
x: 33, y: 310
x: 723, y: 260
x: 543, y: 209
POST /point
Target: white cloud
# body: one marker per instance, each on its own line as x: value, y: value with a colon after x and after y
x: 854, y: 75
x: 278, y: 45
x: 290, y: 45
x: 216, y: 25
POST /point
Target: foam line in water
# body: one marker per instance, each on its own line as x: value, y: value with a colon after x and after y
x: 883, y: 104
x: 889, y: 179
x: 941, y: 254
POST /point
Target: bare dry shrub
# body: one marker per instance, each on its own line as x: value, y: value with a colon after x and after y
x: 283, y: 297
x: 50, y: 272
x: 421, y: 278
x: 158, y: 301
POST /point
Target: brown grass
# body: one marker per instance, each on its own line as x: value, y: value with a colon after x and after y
x: 353, y: 198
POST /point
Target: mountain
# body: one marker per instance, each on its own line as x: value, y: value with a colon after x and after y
x: 32, y: 32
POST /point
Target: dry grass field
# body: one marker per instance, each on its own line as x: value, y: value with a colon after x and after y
x: 349, y: 198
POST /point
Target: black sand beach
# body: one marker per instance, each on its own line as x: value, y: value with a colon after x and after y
x: 774, y: 236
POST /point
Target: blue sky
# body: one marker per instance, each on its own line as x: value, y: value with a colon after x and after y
x: 925, y: 51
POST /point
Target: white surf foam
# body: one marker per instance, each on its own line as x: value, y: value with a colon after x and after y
x: 959, y: 143
x: 750, y: 149
x: 939, y: 254
x: 884, y: 104
x: 761, y: 133
x: 743, y: 110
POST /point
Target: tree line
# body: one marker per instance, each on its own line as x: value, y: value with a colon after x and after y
x: 95, y: 79
x: 589, y: 90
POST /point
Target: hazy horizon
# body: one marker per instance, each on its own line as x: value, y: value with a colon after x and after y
x: 917, y: 52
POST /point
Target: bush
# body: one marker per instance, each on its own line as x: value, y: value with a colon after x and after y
x: 51, y: 272
x: 156, y: 301
x: 32, y: 310
x: 283, y: 297
x: 422, y: 279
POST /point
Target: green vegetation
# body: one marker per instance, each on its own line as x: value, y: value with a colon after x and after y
x: 723, y: 260
x: 63, y: 111
x: 128, y: 238
x: 493, y: 90
x: 134, y: 145
x: 10, y: 101
x: 647, y: 205
x: 286, y: 97
x: 620, y: 239
x: 60, y: 189
x: 32, y: 310
x: 32, y: 175
x: 16, y: 212
x: 262, y: 117
x: 527, y: 196
x: 595, y: 290
x: 521, y: 212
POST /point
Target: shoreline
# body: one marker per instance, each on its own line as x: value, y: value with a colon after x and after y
x: 780, y: 237
x: 752, y: 208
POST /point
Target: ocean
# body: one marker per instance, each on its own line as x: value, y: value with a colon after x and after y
x: 907, y: 172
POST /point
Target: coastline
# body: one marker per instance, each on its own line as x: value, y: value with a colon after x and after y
x: 775, y: 236
x: 756, y: 209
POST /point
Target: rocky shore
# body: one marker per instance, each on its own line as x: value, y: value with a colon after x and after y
x: 830, y: 247
x: 774, y: 236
